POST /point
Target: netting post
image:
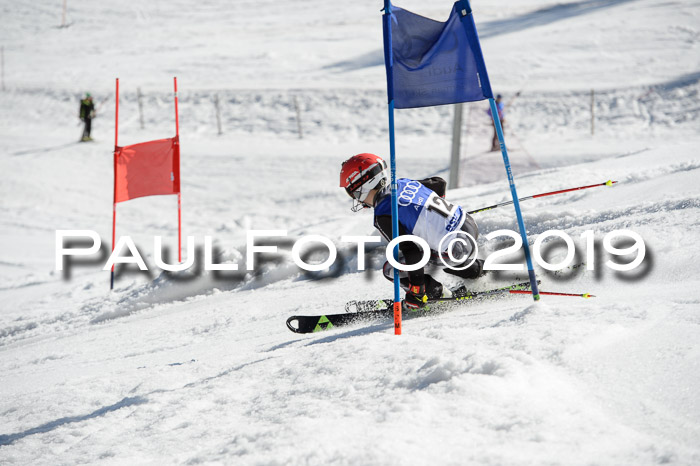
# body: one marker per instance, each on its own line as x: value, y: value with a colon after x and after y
x: 114, y: 202
x: 140, y: 96
x: 592, y: 112
x: 298, y: 113
x: 63, y: 14
x: 218, y: 113
x: 2, y: 66
x: 179, y: 200
x: 456, y: 146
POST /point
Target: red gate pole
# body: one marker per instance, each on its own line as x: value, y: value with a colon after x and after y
x: 179, y: 201
x: 114, y: 203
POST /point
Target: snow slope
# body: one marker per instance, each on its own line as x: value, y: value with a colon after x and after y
x: 201, y: 369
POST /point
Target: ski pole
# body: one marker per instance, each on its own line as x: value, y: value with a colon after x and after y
x: 580, y: 295
x: 607, y: 183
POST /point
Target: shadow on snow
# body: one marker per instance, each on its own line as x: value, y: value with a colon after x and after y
x: 49, y: 426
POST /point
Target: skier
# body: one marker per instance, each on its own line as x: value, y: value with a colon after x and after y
x: 500, y: 106
x: 423, y: 212
x: 87, y: 113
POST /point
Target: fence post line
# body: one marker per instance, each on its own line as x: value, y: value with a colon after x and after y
x: 456, y: 145
x: 298, y: 112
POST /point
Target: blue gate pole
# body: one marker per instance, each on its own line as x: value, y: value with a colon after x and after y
x: 473, y: 38
x: 516, y: 203
x: 389, y: 62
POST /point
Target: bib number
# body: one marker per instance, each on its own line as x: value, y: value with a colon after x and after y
x: 440, y: 206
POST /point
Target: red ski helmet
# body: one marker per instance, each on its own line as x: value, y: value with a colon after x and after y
x: 362, y: 173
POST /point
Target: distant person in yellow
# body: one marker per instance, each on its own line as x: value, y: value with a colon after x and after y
x: 87, y: 113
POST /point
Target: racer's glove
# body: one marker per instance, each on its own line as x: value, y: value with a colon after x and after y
x: 415, y: 297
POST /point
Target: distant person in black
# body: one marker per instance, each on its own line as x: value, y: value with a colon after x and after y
x: 87, y: 113
x: 500, y: 106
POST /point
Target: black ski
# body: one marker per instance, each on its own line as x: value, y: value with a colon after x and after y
x: 357, y: 311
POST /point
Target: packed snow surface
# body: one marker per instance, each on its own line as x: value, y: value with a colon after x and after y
x: 200, y: 368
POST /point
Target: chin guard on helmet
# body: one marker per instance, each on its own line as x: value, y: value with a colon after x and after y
x: 357, y: 204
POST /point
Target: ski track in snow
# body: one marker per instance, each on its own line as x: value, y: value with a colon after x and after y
x: 199, y: 368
